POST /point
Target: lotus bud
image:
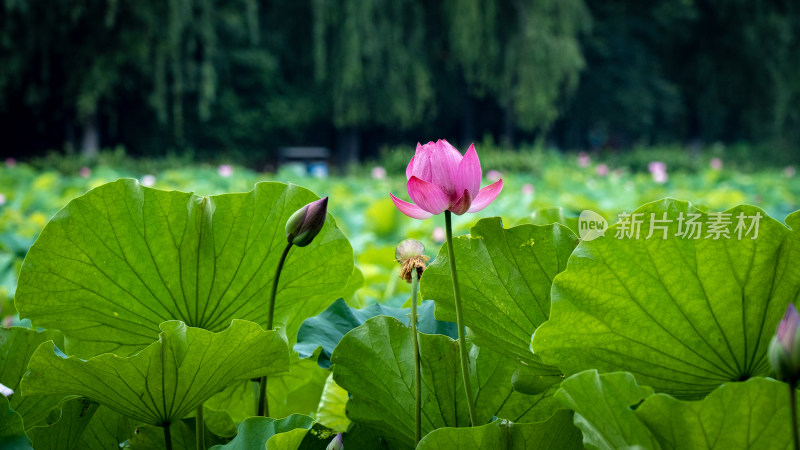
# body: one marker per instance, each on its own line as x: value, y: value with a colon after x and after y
x: 336, y: 443
x: 305, y: 224
x: 411, y: 256
x: 784, y: 349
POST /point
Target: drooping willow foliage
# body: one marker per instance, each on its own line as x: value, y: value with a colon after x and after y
x: 252, y: 75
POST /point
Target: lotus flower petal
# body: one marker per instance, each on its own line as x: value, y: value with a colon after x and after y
x: 410, y: 209
x: 468, y: 175
x: 427, y: 196
x: 462, y: 204
x: 486, y: 196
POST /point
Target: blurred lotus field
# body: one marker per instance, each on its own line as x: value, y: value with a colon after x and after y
x: 540, y: 186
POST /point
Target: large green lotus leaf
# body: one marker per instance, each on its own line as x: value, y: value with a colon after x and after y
x: 556, y: 433
x: 107, y: 429
x: 12, y: 433
x: 297, y: 391
x: 119, y: 260
x: 17, y: 344
x: 505, y: 277
x: 169, y: 378
x: 290, y: 433
x: 324, y: 331
x: 684, y: 315
x: 374, y: 363
x: 753, y: 414
x: 604, y: 409
x: 65, y: 432
x: 182, y: 435
x: 333, y: 407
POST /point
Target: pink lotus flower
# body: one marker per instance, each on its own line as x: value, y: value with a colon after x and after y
x: 715, y: 164
x: 441, y: 179
x: 601, y: 170
x: 85, y: 172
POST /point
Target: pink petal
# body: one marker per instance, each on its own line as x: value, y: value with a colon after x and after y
x: 410, y: 209
x: 427, y: 196
x: 462, y: 204
x: 410, y: 167
x: 468, y: 175
x: 486, y: 196
x: 445, y: 160
x: 422, y: 163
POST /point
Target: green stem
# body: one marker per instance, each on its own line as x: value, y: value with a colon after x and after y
x: 167, y: 437
x: 793, y: 409
x: 263, y: 401
x: 462, y: 341
x: 200, y: 428
x: 417, y: 377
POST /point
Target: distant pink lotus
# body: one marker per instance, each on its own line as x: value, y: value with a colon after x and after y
x: 583, y: 159
x: 789, y: 171
x: 658, y: 170
x: 528, y: 189
x: 494, y: 175
x: 602, y: 170
x: 85, y: 172
x: 11, y: 163
x: 441, y: 179
x: 378, y: 173
x: 715, y: 164
x: 225, y: 170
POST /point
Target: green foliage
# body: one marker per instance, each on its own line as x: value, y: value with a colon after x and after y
x: 556, y: 432
x: 65, y: 432
x: 684, y: 315
x: 374, y: 363
x: 324, y: 331
x: 160, y: 384
x: 505, y: 277
x: 118, y: 261
x: 12, y: 433
x: 17, y: 345
x: 604, y: 409
x: 613, y: 411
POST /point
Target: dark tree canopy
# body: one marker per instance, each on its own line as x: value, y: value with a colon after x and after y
x: 249, y: 76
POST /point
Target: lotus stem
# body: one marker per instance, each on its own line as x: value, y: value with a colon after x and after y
x: 263, y: 401
x: 200, y: 427
x: 462, y: 340
x: 167, y: 437
x: 417, y: 375
x: 793, y: 409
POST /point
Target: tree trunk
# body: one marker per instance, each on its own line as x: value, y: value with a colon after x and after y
x: 349, y: 146
x: 468, y: 120
x: 90, y: 143
x: 508, y: 125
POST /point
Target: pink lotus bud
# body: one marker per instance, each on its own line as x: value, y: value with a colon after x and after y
x: 441, y: 179
x: 784, y: 349
x: 336, y: 443
x: 715, y: 164
x: 11, y: 163
x: 85, y: 172
x: 602, y: 170
x: 306, y: 223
